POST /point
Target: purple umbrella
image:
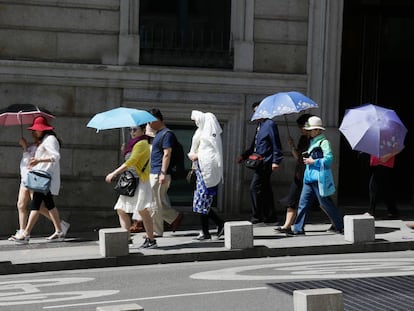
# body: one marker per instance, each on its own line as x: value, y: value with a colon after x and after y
x: 373, y: 129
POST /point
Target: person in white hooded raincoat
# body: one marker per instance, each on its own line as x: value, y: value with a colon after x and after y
x: 207, y: 155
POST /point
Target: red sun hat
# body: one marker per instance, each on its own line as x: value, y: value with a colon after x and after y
x: 40, y: 124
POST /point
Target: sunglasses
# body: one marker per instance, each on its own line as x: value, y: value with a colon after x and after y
x: 134, y: 129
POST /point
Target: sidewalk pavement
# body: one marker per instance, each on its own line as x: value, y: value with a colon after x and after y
x: 81, y: 251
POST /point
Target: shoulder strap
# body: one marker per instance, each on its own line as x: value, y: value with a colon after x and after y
x: 145, y: 165
x: 162, y: 138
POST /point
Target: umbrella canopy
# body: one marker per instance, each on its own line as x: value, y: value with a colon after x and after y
x: 119, y: 118
x: 19, y: 114
x: 282, y: 103
x: 373, y: 129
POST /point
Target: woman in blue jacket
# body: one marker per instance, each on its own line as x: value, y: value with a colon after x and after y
x: 318, y: 160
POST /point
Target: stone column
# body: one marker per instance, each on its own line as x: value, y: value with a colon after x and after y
x: 324, y: 66
x: 324, y: 56
x: 242, y: 20
x: 128, y: 50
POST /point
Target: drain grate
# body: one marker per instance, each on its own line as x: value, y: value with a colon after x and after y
x: 365, y: 294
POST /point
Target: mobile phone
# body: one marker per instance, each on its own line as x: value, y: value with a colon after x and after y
x: 305, y: 154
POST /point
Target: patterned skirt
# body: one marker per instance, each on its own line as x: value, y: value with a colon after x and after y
x: 203, y: 196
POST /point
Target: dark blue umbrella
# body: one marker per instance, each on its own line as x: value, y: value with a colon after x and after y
x: 373, y: 129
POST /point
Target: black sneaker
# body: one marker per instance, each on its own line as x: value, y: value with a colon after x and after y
x: 149, y: 244
x: 144, y: 245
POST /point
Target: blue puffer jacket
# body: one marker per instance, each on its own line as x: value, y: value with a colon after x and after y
x: 312, y: 170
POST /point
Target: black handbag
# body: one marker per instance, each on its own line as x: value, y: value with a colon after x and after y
x: 254, y: 161
x: 128, y: 182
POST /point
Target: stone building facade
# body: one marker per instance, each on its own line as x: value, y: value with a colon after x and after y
x: 80, y: 57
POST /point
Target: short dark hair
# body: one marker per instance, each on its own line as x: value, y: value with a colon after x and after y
x: 302, y: 119
x: 255, y: 104
x: 156, y: 113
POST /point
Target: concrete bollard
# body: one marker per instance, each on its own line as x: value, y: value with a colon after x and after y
x: 320, y: 299
x: 238, y: 234
x: 126, y: 307
x: 359, y: 228
x: 113, y: 242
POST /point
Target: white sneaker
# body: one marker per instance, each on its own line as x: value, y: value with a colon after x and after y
x: 65, y: 227
x: 56, y: 237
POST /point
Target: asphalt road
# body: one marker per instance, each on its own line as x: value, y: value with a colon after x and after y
x: 245, y: 285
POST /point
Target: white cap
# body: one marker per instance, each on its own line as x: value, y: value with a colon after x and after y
x: 313, y: 123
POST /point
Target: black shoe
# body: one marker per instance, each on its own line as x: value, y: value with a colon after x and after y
x: 149, y: 244
x: 393, y: 216
x: 255, y: 221
x: 202, y: 237
x: 295, y: 233
x: 220, y: 231
x: 152, y: 244
x: 331, y: 229
x: 281, y: 229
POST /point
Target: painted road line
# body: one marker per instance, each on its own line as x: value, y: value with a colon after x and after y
x: 161, y: 297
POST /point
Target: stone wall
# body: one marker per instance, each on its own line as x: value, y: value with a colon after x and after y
x: 77, y: 58
x: 280, y: 36
x: 63, y: 31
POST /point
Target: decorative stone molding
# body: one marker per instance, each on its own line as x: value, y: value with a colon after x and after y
x: 148, y: 77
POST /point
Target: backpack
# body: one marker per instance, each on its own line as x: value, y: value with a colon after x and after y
x: 177, y: 165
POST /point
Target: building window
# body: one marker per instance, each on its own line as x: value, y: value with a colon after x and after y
x: 186, y: 33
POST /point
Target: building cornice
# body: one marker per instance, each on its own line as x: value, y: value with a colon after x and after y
x: 148, y: 77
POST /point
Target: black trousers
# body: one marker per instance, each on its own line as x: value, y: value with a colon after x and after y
x: 381, y: 185
x: 38, y: 198
x: 204, y: 221
x: 261, y: 193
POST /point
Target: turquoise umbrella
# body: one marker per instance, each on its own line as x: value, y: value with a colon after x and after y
x: 119, y: 118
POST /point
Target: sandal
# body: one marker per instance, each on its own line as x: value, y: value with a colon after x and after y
x: 20, y: 238
x: 56, y: 237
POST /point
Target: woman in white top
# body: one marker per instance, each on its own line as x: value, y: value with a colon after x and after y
x: 207, y: 155
x: 46, y: 158
x: 23, y: 198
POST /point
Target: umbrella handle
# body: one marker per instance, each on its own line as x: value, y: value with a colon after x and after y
x: 287, y: 125
x: 19, y: 116
x: 123, y: 135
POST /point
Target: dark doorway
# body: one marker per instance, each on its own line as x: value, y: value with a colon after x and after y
x: 377, y: 67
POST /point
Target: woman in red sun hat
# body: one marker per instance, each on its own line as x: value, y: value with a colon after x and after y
x: 46, y: 158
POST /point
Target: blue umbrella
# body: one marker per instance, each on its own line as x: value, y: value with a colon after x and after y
x: 373, y: 129
x: 119, y: 118
x: 281, y: 104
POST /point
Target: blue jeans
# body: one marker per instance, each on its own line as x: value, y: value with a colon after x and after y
x: 310, y: 192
